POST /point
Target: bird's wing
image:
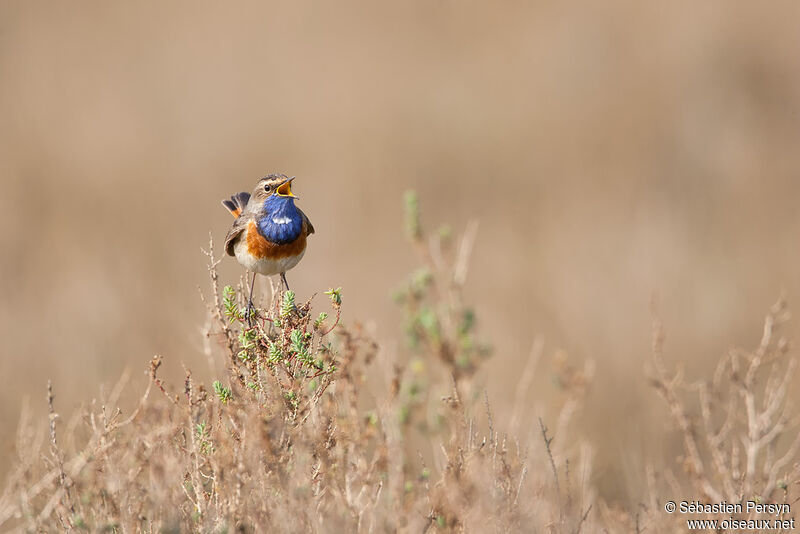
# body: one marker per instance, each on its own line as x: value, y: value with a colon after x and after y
x: 308, y: 222
x: 236, y: 206
x: 239, y: 226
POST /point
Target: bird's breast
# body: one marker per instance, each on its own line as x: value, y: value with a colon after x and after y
x: 282, y: 224
x: 260, y: 255
x: 261, y: 247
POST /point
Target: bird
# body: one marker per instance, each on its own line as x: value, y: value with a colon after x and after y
x: 269, y: 232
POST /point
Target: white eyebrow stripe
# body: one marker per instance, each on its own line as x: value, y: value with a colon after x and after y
x: 281, y: 220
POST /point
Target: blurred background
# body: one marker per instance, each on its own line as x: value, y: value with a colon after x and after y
x: 612, y: 155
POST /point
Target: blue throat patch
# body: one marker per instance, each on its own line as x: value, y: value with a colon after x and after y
x: 280, y: 221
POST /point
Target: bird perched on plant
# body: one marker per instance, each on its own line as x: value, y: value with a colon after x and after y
x: 269, y: 234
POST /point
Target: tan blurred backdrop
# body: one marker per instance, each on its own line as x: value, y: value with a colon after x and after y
x: 611, y: 152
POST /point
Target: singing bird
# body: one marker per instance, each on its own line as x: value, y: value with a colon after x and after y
x: 269, y: 234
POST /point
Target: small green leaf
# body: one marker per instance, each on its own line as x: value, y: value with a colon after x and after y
x: 275, y: 353
x: 319, y: 320
x: 413, y: 225
x: 224, y: 393
x: 430, y: 323
x: 229, y: 302
x: 335, y: 295
x: 420, y: 280
x: 288, y: 306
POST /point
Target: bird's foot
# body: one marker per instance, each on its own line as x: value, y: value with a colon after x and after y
x: 250, y: 313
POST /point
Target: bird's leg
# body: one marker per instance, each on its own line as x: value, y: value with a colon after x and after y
x: 250, y: 306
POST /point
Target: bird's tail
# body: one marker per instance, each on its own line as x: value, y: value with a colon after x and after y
x: 237, y: 203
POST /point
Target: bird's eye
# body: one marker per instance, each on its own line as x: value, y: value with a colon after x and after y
x: 267, y: 188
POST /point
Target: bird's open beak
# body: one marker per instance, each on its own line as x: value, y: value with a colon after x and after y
x: 285, y: 189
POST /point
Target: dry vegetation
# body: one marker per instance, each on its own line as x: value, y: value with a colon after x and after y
x: 303, y: 435
x: 741, y: 437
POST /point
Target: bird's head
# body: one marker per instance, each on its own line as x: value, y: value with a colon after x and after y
x: 275, y: 188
